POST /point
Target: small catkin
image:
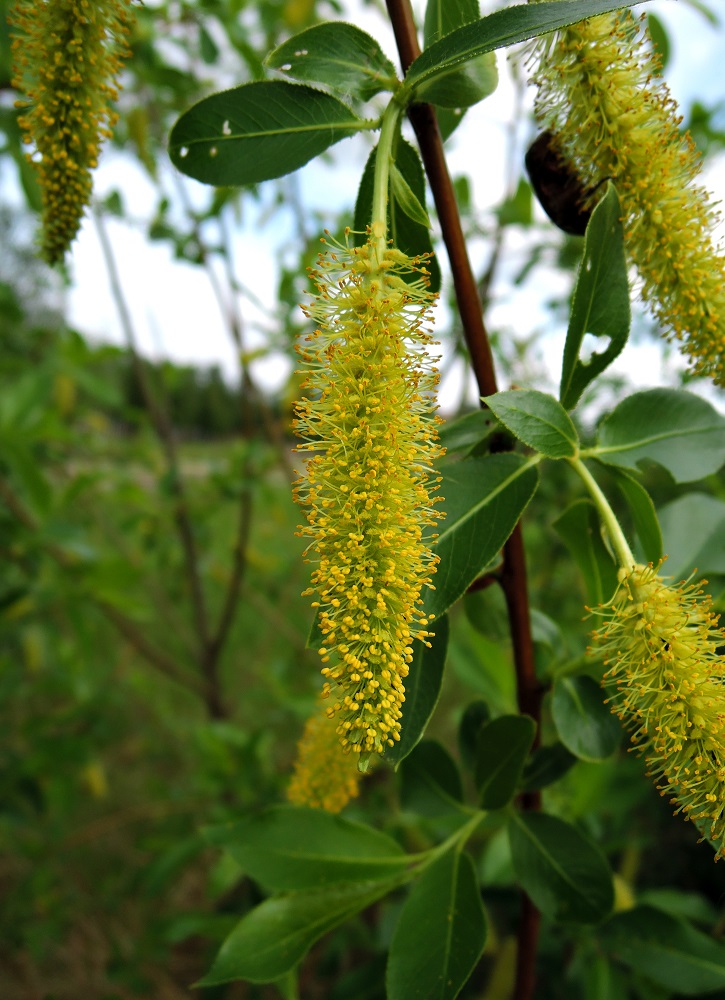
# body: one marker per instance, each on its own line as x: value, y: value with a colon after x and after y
x: 67, y: 55
x: 368, y: 424
x: 600, y: 94
x: 660, y: 643
x: 324, y: 776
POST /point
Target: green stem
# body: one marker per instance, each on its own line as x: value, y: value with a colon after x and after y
x: 616, y: 535
x: 383, y: 160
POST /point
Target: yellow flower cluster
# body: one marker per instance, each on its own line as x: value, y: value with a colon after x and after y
x: 613, y: 117
x: 368, y: 425
x: 67, y: 55
x: 667, y: 681
x: 324, y: 776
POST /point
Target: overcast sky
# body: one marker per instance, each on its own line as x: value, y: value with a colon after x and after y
x: 172, y: 306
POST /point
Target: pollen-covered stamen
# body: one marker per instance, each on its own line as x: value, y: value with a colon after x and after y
x: 600, y: 93
x: 368, y: 421
x: 325, y: 777
x: 667, y: 684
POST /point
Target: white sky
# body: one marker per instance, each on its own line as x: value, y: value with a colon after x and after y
x: 174, y: 311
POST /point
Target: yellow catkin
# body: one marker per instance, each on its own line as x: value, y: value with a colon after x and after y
x: 368, y: 425
x: 666, y: 680
x: 599, y: 92
x: 66, y: 57
x: 325, y: 777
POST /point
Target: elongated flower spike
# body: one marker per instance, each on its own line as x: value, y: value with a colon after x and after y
x: 667, y: 683
x: 600, y: 95
x: 369, y: 427
x: 324, y: 777
x: 67, y: 55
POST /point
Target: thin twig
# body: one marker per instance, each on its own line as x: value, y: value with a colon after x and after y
x: 164, y: 432
x: 424, y: 122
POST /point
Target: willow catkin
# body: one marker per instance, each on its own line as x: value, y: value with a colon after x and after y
x: 67, y: 55
x: 667, y: 683
x: 600, y: 95
x: 368, y: 425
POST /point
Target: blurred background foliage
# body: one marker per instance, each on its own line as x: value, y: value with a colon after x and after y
x: 154, y: 675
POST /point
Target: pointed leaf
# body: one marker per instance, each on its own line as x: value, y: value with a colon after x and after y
x: 579, y: 528
x: 601, y: 299
x: 274, y: 936
x: 503, y: 27
x: 666, y: 950
x: 408, y: 235
x: 474, y: 717
x: 537, y: 419
x: 484, y: 498
x: 430, y: 782
x: 341, y: 56
x: 406, y: 199
x: 286, y: 848
x: 567, y: 877
x: 502, y: 747
x: 463, y: 86
x: 422, y: 688
x: 257, y: 131
x: 584, y: 723
x: 440, y: 934
x: 674, y: 428
x: 467, y: 432
x: 643, y: 514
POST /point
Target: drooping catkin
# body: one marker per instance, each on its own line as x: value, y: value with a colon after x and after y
x: 667, y: 682
x: 368, y: 425
x: 67, y: 55
x: 600, y: 95
x: 324, y: 777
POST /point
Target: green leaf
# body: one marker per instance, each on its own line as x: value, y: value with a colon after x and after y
x: 686, y: 549
x: 444, y: 16
x: 545, y: 766
x: 584, y: 723
x: 660, y: 39
x: 27, y: 470
x: 274, y: 936
x: 601, y: 299
x: 666, y: 950
x: 475, y: 715
x: 566, y: 876
x: 486, y: 610
x: 502, y: 747
x: 461, y: 87
x: 407, y: 235
x: 676, y: 429
x: 537, y: 419
x: 257, y: 131
x: 422, y: 689
x: 467, y: 432
x: 503, y: 27
x: 430, y: 782
x: 579, y: 528
x: 643, y: 514
x: 208, y: 48
x: 440, y: 934
x: 484, y: 498
x: 406, y: 199
x: 286, y: 848
x: 338, y: 55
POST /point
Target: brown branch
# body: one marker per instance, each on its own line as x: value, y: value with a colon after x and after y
x: 424, y: 122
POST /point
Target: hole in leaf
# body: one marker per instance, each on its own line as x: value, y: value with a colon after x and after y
x: 226, y: 129
x: 301, y: 52
x: 286, y: 67
x: 183, y: 152
x: 593, y: 344
x: 213, y: 151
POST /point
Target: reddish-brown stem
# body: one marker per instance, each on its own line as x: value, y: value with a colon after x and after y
x: 513, y: 578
